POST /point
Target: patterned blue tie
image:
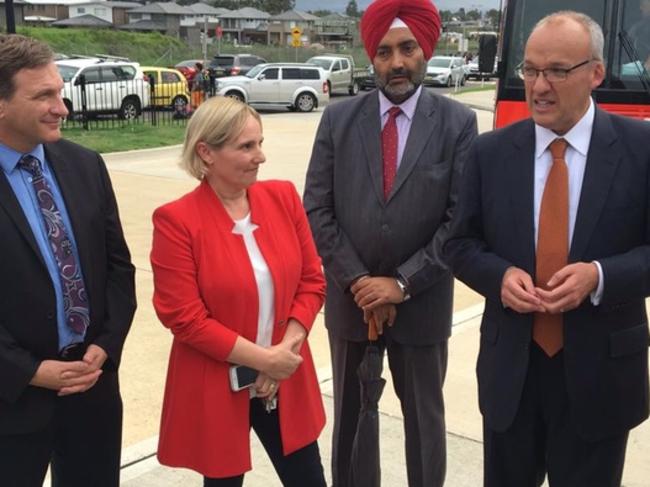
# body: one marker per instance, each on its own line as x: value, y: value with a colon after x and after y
x: 75, y: 302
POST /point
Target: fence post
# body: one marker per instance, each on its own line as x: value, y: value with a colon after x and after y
x: 81, y: 80
x: 152, y: 99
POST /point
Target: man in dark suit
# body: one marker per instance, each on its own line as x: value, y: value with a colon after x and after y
x: 66, y: 287
x: 380, y: 190
x: 553, y: 228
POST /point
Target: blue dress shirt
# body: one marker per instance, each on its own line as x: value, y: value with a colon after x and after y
x: 21, y: 183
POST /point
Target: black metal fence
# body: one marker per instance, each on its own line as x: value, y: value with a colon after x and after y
x: 95, y: 103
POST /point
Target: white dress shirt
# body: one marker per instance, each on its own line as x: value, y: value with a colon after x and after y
x: 578, y: 139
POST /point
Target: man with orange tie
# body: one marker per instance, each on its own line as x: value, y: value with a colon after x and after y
x: 553, y: 228
x: 380, y: 191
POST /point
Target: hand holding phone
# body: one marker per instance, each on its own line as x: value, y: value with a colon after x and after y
x: 242, y: 377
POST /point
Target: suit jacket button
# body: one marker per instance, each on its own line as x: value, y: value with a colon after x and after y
x: 281, y: 322
x: 385, y: 227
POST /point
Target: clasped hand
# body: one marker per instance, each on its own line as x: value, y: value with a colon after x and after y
x: 283, y: 359
x: 565, y: 291
x: 71, y: 377
x: 377, y: 296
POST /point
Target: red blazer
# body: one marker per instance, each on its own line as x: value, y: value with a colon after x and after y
x: 205, y: 293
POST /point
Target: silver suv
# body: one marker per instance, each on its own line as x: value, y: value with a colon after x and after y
x: 297, y: 86
x: 110, y: 86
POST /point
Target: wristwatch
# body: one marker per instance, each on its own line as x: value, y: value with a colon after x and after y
x: 403, y: 286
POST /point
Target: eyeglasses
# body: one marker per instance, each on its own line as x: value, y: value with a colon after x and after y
x: 552, y: 75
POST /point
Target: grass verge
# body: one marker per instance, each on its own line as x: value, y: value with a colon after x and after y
x: 129, y: 137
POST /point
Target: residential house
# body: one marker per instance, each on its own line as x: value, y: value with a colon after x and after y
x: 19, y: 16
x: 46, y: 11
x: 336, y: 30
x: 97, y: 13
x: 246, y: 25
x: 204, y: 18
x: 163, y: 17
x: 281, y: 26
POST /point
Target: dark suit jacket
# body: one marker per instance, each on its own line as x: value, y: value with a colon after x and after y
x: 28, y: 329
x: 357, y: 232
x: 605, y: 346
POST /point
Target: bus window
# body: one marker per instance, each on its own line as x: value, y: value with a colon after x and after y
x: 527, y: 13
x: 629, y: 64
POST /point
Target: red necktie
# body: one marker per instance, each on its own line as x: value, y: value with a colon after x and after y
x: 389, y: 149
x: 552, y: 245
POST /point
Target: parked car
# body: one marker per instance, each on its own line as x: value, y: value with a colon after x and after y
x: 473, y: 71
x: 234, y: 64
x: 170, y: 87
x: 342, y: 74
x: 445, y: 71
x: 297, y: 86
x: 188, y: 68
x: 110, y: 86
x: 368, y: 81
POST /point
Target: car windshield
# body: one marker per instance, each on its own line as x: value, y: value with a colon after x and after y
x: 222, y: 61
x: 323, y: 63
x: 255, y: 71
x: 439, y: 62
x: 67, y: 72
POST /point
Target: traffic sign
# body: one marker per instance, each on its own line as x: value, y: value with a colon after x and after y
x: 296, y: 42
x: 296, y: 32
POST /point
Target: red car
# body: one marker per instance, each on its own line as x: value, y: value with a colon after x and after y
x: 188, y: 68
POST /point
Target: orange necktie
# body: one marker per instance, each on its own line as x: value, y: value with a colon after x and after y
x: 552, y: 245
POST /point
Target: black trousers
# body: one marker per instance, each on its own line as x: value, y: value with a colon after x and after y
x: 299, y: 469
x: 542, y: 439
x: 82, y: 443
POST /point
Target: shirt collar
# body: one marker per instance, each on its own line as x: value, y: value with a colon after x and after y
x: 407, y: 107
x: 9, y: 158
x: 578, y: 137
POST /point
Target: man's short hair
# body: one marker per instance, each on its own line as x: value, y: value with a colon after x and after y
x: 597, y: 40
x: 216, y: 122
x: 19, y: 52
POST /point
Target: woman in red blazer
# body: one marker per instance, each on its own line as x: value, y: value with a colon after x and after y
x: 238, y: 281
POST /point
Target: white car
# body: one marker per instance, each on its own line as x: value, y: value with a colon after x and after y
x: 445, y: 71
x: 297, y: 86
x: 110, y: 86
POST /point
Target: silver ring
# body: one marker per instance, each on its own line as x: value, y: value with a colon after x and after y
x: 272, y: 386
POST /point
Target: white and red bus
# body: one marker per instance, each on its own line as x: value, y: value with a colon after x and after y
x: 626, y: 25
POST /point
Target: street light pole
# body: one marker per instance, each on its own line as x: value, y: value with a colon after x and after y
x: 9, y: 15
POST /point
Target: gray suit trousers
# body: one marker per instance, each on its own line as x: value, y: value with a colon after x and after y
x: 418, y: 374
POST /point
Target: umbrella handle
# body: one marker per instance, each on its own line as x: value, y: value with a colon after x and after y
x: 372, y: 330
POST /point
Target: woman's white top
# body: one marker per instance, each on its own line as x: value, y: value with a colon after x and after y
x: 263, y: 279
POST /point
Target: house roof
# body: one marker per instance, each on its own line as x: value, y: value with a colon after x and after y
x: 295, y: 15
x: 169, y: 8
x: 204, y: 8
x: 246, y: 13
x: 144, y: 25
x: 16, y: 2
x: 86, y: 20
x: 110, y: 4
x: 55, y: 2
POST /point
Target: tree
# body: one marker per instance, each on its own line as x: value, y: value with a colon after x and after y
x: 493, y: 17
x: 460, y: 14
x: 277, y: 6
x: 320, y: 13
x: 445, y: 15
x: 352, y: 10
x: 473, y: 15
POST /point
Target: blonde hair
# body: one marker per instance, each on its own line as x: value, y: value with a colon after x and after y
x: 217, y: 121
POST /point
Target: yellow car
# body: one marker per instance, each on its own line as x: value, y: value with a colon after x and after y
x: 170, y: 87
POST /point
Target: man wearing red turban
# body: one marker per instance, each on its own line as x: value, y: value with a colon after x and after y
x: 380, y: 190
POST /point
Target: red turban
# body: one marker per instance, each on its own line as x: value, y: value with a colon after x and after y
x: 421, y: 17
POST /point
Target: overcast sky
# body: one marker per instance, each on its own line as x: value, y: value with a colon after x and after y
x: 339, y: 5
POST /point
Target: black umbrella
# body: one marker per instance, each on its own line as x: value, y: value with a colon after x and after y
x: 364, y: 464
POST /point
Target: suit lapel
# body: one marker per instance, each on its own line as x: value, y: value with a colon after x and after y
x: 520, y: 170
x: 11, y: 205
x: 369, y: 128
x: 76, y: 197
x: 423, y: 126
x: 602, y: 162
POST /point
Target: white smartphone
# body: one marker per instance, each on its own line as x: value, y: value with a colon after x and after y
x: 242, y: 377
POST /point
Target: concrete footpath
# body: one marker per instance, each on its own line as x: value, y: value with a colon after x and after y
x: 146, y: 179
